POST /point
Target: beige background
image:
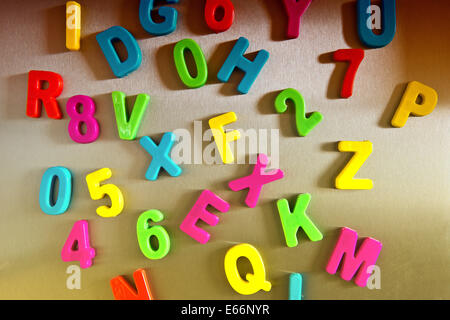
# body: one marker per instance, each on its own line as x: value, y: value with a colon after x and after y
x: 407, y: 210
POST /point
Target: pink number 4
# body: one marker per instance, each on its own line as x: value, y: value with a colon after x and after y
x: 77, y: 247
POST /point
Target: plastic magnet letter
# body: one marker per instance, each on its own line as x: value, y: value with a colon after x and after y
x: 200, y: 62
x: 97, y: 192
x: 145, y: 232
x: 362, y: 150
x: 199, y: 212
x: 304, y: 124
x: 46, y: 201
x: 221, y: 138
x: 77, y: 246
x: 366, y: 256
x: 128, y: 127
x: 256, y: 180
x: 160, y: 156
x: 409, y: 104
x: 122, y: 290
x: 291, y: 222
x: 223, y: 24
x: 37, y: 95
x: 120, y: 68
x: 295, y: 10
x: 295, y: 286
x: 255, y: 281
x: 354, y: 57
x: 366, y: 34
x: 236, y: 59
x: 87, y: 117
x: 73, y: 25
x: 170, y: 16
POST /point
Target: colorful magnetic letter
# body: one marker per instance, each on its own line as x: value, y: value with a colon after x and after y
x: 362, y: 150
x: 97, y: 192
x: 37, y: 95
x: 295, y: 286
x: 256, y: 180
x: 105, y: 40
x: 77, y: 246
x: 210, y: 15
x: 409, y: 104
x: 236, y: 59
x: 221, y: 138
x: 128, y: 127
x: 304, y: 125
x: 255, y: 281
x: 295, y: 9
x: 200, y: 62
x: 160, y: 156
x: 291, y: 222
x: 354, y: 57
x: 366, y: 256
x: 367, y: 36
x: 145, y: 232
x: 73, y: 25
x: 46, y: 201
x: 122, y: 290
x: 86, y: 117
x: 170, y: 16
x: 199, y: 212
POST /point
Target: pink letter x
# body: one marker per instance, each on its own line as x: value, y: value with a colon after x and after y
x: 256, y: 180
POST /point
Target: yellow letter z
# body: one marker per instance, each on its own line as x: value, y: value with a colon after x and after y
x: 362, y: 150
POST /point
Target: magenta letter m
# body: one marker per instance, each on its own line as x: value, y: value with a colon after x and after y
x: 366, y: 256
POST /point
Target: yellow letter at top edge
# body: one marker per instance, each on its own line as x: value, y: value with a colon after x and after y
x: 73, y: 25
x: 362, y: 150
x: 255, y: 281
x: 221, y: 138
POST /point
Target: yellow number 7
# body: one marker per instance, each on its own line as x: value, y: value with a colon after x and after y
x: 97, y: 192
x: 362, y: 150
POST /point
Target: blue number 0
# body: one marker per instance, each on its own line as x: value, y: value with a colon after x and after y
x: 46, y: 201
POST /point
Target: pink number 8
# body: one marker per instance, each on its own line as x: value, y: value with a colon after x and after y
x: 87, y: 117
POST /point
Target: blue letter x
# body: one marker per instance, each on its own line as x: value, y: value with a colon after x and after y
x: 160, y: 156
